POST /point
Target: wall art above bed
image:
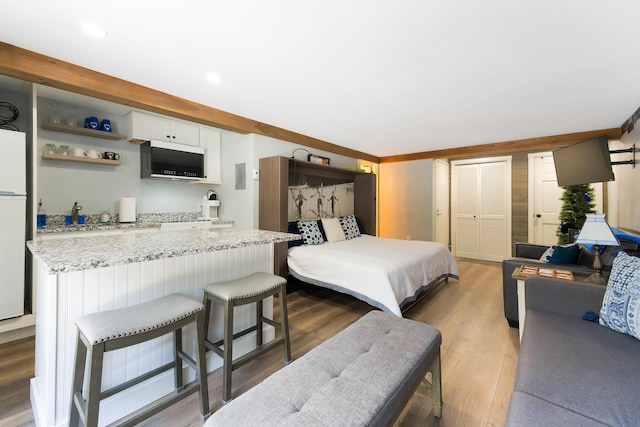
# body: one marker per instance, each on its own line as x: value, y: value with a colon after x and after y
x: 313, y: 197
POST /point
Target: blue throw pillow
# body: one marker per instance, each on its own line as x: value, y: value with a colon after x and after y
x: 564, y: 254
x: 310, y: 232
x: 292, y: 227
x: 621, y: 303
x: 350, y: 227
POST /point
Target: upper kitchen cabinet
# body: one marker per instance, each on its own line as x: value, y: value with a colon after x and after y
x: 210, y: 141
x: 148, y: 126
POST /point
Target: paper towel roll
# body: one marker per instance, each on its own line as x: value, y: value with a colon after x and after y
x: 127, y: 209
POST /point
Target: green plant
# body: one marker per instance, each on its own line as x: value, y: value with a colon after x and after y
x: 577, y: 201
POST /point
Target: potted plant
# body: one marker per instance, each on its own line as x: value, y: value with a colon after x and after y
x: 577, y: 201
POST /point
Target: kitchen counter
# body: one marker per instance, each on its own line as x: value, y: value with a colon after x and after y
x: 75, y: 254
x: 75, y: 276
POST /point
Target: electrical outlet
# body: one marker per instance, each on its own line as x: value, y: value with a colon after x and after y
x: 256, y: 174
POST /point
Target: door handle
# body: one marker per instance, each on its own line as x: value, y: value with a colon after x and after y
x: 538, y: 216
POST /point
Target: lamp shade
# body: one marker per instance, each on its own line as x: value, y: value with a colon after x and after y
x: 596, y: 231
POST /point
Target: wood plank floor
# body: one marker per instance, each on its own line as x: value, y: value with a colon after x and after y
x: 479, y: 354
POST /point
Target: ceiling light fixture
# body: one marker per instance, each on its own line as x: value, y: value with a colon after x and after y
x: 213, y: 78
x: 93, y: 29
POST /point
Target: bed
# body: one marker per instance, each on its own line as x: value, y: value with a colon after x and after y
x: 386, y: 273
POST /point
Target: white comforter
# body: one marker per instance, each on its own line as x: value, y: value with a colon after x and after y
x: 383, y: 272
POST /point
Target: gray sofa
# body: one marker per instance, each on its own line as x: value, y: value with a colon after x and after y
x: 573, y: 372
x: 529, y: 254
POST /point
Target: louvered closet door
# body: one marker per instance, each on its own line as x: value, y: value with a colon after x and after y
x: 482, y: 208
x: 493, y: 237
x: 466, y: 216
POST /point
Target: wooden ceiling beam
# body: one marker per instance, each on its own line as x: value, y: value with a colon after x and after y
x: 530, y: 144
x: 33, y: 67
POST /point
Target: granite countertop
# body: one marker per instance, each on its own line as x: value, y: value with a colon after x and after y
x: 85, y: 253
x: 61, y: 228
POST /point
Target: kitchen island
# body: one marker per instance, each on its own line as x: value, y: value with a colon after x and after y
x: 77, y: 276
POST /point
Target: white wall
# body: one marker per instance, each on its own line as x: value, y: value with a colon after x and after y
x: 624, y: 192
x: 406, y: 200
x: 99, y: 187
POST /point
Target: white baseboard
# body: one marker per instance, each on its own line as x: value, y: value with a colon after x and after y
x: 17, y: 328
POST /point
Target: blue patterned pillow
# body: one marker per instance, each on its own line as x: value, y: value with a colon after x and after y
x: 350, y: 227
x: 310, y: 232
x: 621, y: 304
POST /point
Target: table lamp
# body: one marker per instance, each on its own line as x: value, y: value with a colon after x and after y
x: 597, y: 232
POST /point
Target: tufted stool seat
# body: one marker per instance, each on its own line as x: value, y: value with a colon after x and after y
x: 363, y: 376
x: 114, y: 329
x: 246, y: 290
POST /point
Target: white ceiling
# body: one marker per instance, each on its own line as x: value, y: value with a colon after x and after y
x: 383, y: 77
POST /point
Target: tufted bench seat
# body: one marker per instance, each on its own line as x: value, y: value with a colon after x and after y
x: 363, y: 376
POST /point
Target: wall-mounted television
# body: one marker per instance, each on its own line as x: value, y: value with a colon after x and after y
x: 583, y: 163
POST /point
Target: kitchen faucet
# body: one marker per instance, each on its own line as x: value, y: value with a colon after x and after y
x: 74, y: 213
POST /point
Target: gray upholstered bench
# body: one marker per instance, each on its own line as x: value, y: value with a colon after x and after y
x: 363, y: 376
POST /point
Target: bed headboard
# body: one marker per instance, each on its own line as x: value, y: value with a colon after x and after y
x: 274, y: 195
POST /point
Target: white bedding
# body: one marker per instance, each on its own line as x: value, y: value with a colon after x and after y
x: 386, y: 273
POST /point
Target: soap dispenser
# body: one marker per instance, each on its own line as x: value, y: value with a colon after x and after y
x: 42, y: 216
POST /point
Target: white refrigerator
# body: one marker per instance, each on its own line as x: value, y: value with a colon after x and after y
x: 13, y: 208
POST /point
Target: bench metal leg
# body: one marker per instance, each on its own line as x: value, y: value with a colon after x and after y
x: 434, y: 389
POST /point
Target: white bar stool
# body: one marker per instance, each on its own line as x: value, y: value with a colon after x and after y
x: 114, y: 329
x: 246, y: 290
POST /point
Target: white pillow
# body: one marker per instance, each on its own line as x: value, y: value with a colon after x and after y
x: 333, y: 229
x: 547, y: 254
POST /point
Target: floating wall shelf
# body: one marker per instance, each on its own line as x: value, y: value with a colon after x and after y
x: 82, y: 159
x: 94, y: 133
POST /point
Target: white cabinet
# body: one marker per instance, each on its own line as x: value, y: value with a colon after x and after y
x: 148, y: 126
x: 210, y: 141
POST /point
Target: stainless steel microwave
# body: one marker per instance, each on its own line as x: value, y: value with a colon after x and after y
x: 168, y: 160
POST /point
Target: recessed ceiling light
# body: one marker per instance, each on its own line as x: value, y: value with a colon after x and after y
x: 213, y: 78
x: 93, y: 29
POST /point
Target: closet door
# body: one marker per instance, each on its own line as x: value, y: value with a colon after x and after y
x: 465, y: 211
x: 493, y: 238
x: 481, y: 208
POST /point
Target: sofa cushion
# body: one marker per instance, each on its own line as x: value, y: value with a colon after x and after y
x: 566, y: 254
x: 526, y: 410
x: 621, y: 305
x: 580, y: 366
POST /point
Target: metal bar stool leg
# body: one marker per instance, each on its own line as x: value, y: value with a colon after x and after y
x: 259, y: 323
x: 78, y: 379
x: 284, y: 323
x: 177, y: 349
x: 227, y: 359
x: 201, y: 365
x: 94, y: 384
